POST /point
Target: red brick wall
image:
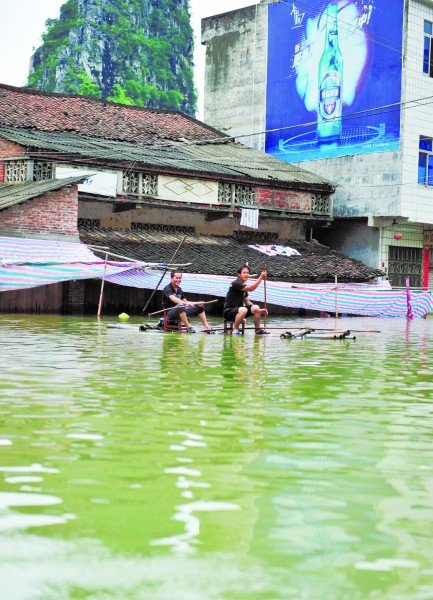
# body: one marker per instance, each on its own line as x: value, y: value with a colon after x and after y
x: 52, y: 213
x: 284, y: 199
x: 7, y: 150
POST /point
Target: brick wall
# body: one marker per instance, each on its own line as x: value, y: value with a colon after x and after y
x: 284, y: 199
x: 7, y: 150
x: 52, y: 213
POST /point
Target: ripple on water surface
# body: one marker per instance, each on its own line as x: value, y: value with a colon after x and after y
x: 210, y: 467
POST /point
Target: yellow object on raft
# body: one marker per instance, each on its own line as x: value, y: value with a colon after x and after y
x: 123, y: 317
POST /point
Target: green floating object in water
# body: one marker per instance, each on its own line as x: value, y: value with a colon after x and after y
x: 123, y: 317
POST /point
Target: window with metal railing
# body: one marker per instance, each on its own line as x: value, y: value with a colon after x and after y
x: 161, y: 228
x: 24, y: 169
x: 89, y: 222
x: 321, y: 205
x: 42, y: 170
x: 263, y: 236
x: 17, y: 171
x: 139, y: 184
x: 235, y: 194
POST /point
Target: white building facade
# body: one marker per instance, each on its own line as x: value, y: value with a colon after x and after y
x: 382, y: 163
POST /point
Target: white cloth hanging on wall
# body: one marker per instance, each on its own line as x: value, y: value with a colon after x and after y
x: 250, y: 218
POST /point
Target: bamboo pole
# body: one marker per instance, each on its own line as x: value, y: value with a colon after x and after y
x: 101, y: 294
x: 162, y: 276
x: 141, y: 263
x: 158, y: 312
x: 409, y: 314
x: 336, y: 297
x: 331, y: 329
x: 265, y: 319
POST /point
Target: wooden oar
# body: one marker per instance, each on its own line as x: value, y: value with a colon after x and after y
x: 265, y: 318
x: 158, y: 312
x: 162, y: 277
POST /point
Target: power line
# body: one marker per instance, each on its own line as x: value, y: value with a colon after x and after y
x: 386, y: 109
x: 378, y: 110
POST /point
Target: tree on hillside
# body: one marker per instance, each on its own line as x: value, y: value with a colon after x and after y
x: 137, y: 52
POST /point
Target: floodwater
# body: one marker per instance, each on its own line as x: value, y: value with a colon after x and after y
x: 148, y: 466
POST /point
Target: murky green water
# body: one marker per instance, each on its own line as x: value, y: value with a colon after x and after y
x: 143, y: 466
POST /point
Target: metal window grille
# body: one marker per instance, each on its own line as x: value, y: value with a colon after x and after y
x: 161, y: 228
x: 149, y: 184
x: 321, y: 205
x: 231, y: 193
x: 404, y: 262
x: 224, y: 193
x: 265, y: 236
x: 42, y: 170
x: 16, y: 171
x: 89, y: 222
x: 134, y: 182
x: 130, y: 182
x: 244, y: 194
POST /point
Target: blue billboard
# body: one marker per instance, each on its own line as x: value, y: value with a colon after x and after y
x: 333, y: 78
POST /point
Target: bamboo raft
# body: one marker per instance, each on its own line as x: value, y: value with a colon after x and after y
x: 312, y: 334
x: 299, y: 333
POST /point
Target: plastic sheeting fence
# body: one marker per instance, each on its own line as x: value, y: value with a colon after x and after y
x: 26, y: 263
x: 357, y: 299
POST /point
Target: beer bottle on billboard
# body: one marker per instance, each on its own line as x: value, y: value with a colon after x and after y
x: 330, y: 101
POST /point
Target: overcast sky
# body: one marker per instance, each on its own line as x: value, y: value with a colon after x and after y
x: 23, y: 22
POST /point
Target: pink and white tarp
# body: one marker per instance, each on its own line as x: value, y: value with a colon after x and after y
x: 378, y: 300
x: 26, y: 263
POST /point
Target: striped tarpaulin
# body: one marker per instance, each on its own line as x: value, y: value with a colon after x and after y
x: 26, y: 263
x: 357, y: 299
x: 21, y: 251
x: 18, y: 277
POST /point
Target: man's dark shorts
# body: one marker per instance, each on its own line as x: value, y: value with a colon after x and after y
x: 231, y: 313
x: 191, y: 311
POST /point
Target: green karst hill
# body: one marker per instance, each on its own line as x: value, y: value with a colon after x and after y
x: 137, y: 52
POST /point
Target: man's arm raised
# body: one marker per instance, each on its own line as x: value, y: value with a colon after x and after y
x: 255, y: 285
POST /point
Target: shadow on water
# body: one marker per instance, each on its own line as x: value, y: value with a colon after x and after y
x: 140, y: 465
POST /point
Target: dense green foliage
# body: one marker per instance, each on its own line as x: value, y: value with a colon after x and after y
x: 137, y: 52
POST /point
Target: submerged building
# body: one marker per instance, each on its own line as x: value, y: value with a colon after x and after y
x: 344, y: 90
x: 136, y: 181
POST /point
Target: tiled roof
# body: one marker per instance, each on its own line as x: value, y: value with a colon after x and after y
x: 232, y: 160
x: 56, y: 112
x: 15, y: 193
x: 224, y: 255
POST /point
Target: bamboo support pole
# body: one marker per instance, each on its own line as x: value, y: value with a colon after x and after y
x: 336, y: 297
x: 141, y: 263
x: 162, y: 277
x: 265, y: 319
x: 101, y: 294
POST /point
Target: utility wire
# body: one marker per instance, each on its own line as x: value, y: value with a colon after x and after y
x: 378, y: 110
